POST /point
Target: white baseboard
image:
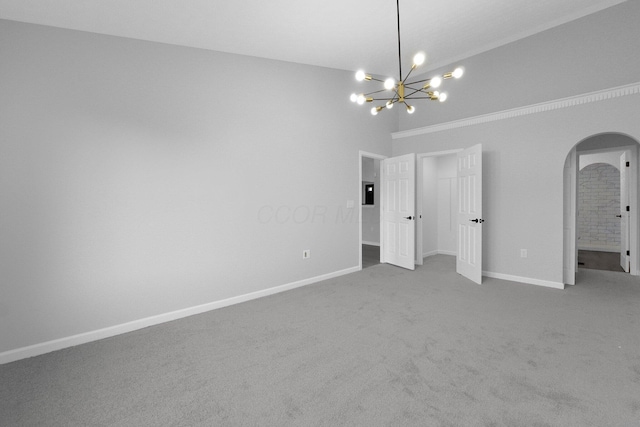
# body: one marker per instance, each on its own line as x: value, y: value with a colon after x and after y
x: 453, y: 253
x: 59, y: 344
x: 371, y: 243
x: 438, y: 252
x: 528, y: 280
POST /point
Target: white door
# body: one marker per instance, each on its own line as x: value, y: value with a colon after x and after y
x: 398, y: 211
x: 469, y: 259
x: 624, y: 213
x: 569, y: 221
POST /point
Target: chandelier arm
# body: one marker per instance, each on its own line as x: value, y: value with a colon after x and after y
x: 409, y: 86
x: 377, y: 91
x: 418, y: 81
x: 414, y: 91
x: 419, y: 97
x: 407, y: 76
x: 422, y: 89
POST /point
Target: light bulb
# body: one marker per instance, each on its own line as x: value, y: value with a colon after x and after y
x: 442, y: 97
x: 374, y: 111
x: 457, y: 73
x: 435, y: 82
x: 360, y: 75
x: 353, y: 97
x: 389, y: 83
x: 410, y: 109
x: 419, y: 58
x: 361, y: 99
x: 389, y: 104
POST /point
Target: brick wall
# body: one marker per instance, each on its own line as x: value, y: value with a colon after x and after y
x: 598, y: 205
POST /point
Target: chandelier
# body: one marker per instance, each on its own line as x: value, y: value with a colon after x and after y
x: 404, y: 91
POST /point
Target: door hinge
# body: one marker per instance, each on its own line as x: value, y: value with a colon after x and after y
x: 628, y: 210
x: 627, y: 164
x: 628, y: 253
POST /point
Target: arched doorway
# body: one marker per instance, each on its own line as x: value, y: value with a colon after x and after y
x: 603, y: 150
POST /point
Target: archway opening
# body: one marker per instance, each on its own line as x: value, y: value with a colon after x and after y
x: 601, y: 204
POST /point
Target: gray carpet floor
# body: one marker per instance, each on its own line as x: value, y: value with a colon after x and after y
x: 381, y: 347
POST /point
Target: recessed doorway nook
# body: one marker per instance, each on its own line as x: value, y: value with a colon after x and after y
x: 436, y: 204
x: 602, y: 151
x: 369, y: 210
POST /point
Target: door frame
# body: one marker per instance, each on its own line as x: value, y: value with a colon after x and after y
x: 368, y: 155
x: 419, y: 192
x: 634, y: 241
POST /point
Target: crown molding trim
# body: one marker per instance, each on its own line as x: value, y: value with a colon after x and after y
x: 572, y: 101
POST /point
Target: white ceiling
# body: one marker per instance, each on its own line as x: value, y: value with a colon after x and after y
x: 343, y: 34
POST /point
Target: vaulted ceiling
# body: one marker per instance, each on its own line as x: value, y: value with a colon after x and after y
x: 342, y: 34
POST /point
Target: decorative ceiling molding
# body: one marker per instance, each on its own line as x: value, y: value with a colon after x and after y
x: 572, y: 101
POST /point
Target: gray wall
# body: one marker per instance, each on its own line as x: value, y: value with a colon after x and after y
x: 596, y: 52
x: 140, y: 178
x: 524, y: 155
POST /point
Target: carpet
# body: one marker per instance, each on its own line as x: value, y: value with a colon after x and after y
x: 381, y: 347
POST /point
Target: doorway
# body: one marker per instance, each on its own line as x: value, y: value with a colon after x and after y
x: 599, y: 223
x: 436, y: 204
x: 439, y: 206
x: 600, y: 205
x: 369, y: 208
x: 451, y: 182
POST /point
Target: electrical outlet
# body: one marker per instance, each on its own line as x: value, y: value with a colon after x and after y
x: 306, y: 254
x: 523, y: 253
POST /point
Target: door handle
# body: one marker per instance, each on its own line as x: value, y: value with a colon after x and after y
x: 408, y: 217
x: 477, y: 221
x: 618, y: 216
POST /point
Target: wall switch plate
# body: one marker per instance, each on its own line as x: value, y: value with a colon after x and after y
x: 523, y: 253
x: 350, y: 204
x: 306, y: 254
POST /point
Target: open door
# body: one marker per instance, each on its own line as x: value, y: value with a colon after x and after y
x: 397, y: 237
x: 469, y: 259
x: 570, y: 252
x: 624, y: 211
